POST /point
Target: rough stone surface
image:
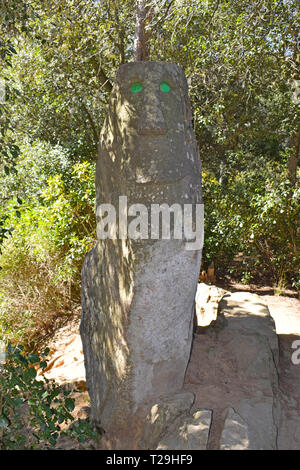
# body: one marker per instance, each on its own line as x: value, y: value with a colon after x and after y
x: 252, y: 426
x: 162, y: 415
x: 237, y: 376
x: 138, y: 295
x: 289, y: 382
x: 188, y: 432
x: 235, y: 434
x: 286, y: 314
x: 207, y: 303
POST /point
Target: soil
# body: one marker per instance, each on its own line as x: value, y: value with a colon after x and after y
x: 232, y: 285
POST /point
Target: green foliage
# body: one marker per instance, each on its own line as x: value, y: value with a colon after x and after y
x: 58, y: 60
x: 256, y: 213
x: 40, y: 160
x: 64, y: 67
x: 239, y: 57
x: 51, y: 232
x: 34, y: 413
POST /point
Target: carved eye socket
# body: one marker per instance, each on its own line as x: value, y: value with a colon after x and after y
x: 136, y: 87
x: 165, y: 87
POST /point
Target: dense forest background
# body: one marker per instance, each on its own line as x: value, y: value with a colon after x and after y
x: 57, y: 65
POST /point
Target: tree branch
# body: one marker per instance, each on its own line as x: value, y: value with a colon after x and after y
x: 89, y: 116
x: 141, y: 39
x: 93, y: 126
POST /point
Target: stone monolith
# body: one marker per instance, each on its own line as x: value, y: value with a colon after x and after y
x: 137, y: 292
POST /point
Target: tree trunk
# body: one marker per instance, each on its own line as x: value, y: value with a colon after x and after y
x: 293, y: 159
x: 141, y: 39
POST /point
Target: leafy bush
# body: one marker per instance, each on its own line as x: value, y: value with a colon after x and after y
x: 255, y: 212
x: 37, y: 162
x: 52, y: 230
x: 32, y: 412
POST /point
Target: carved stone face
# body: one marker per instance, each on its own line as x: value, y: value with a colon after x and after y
x: 148, y: 133
x: 138, y: 294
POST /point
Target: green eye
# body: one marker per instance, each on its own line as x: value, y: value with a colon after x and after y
x: 136, y: 87
x: 165, y: 87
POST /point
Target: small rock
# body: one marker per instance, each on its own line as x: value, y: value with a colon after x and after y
x: 84, y: 413
x: 235, y: 435
x: 206, y: 303
x: 162, y: 415
x: 188, y: 433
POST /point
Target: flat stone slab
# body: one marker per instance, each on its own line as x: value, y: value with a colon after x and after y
x: 233, y: 372
x: 235, y: 434
x: 286, y: 314
x: 251, y: 426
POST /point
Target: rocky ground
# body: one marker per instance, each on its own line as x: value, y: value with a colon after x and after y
x: 241, y: 372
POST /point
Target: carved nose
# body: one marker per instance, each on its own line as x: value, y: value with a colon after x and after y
x: 152, y: 121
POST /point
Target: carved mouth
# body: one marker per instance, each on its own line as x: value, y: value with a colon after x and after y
x: 152, y: 132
